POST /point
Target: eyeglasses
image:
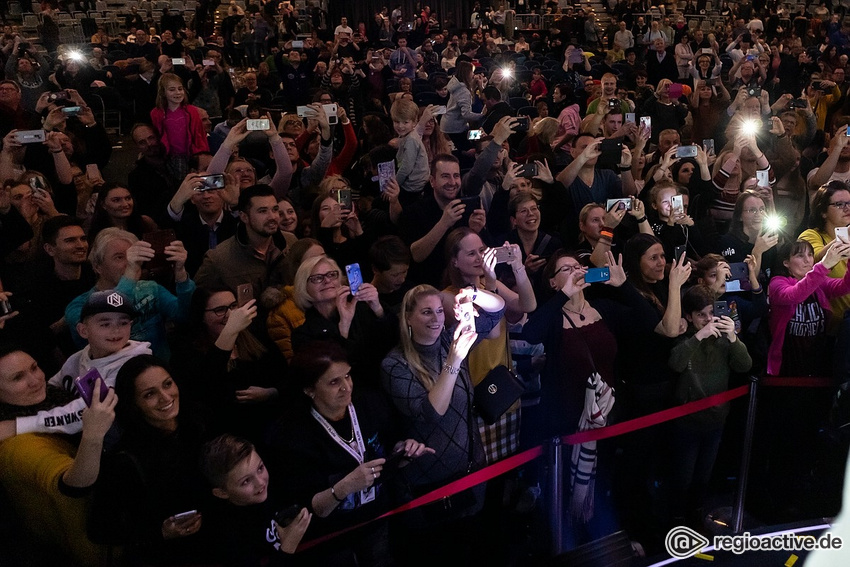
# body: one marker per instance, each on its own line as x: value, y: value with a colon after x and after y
x: 528, y: 211
x: 316, y: 279
x: 840, y: 205
x: 568, y: 268
x: 754, y: 210
x: 221, y: 310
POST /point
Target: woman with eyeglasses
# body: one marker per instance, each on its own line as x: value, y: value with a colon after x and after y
x: 830, y: 210
x: 357, y: 321
x: 222, y: 364
x: 749, y: 234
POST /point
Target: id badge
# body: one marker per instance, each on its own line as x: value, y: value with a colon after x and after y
x: 367, y: 496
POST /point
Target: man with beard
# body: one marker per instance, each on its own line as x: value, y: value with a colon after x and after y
x: 149, y: 182
x: 254, y: 254
x: 202, y: 222
x: 43, y: 291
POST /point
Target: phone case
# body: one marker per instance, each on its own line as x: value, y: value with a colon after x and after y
x: 503, y: 254
x: 677, y: 204
x: 355, y: 277
x: 466, y: 314
x: 386, y: 171
x: 595, y: 275
x: 244, y: 294
x: 85, y: 386
x: 842, y: 233
x: 344, y: 199
x: 721, y: 309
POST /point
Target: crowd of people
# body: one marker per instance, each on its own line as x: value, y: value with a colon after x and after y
x: 637, y: 217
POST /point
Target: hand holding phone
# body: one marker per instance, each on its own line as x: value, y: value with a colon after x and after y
x: 355, y: 277
x: 244, y: 294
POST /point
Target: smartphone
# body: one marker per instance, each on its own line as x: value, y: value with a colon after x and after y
x: 750, y: 58
x: 612, y: 153
x: 394, y: 460
x: 5, y: 307
x: 466, y: 314
x: 474, y: 134
x: 596, y: 275
x: 472, y: 203
x: 763, y: 177
x: 285, y: 517
x: 355, y: 277
x: 686, y: 152
x: 522, y: 124
x: 159, y: 239
x: 37, y: 183
x: 182, y: 515
x: 708, y: 145
x: 305, y: 112
x: 297, y: 44
x: 343, y: 197
x: 613, y: 104
x: 178, y: 61
x: 677, y: 205
x: 611, y: 204
x: 630, y: 118
x: 841, y: 233
x: 244, y: 294
x: 754, y: 91
x: 58, y: 95
x: 679, y: 250
x: 257, y: 124
x: 71, y: 110
x: 93, y: 173
x: 30, y: 136
x: 441, y: 109
x: 85, y: 386
x: 706, y: 51
x: 528, y: 170
x: 504, y: 254
x: 721, y: 309
x: 646, y: 122
x: 211, y: 182
x: 386, y: 172
x: 330, y: 110
x: 847, y: 133
x: 208, y: 63
x: 675, y: 90
x: 577, y: 56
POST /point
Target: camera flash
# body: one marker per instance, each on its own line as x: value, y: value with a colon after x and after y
x: 76, y: 56
x: 773, y: 223
x: 750, y: 126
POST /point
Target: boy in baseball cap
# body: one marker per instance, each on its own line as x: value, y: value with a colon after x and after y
x: 105, y: 321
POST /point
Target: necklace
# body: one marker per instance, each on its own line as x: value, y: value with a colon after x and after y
x: 579, y: 312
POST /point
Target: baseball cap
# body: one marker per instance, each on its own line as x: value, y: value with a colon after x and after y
x: 109, y: 301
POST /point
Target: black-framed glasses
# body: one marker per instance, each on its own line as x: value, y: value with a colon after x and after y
x: 567, y: 269
x: 317, y: 279
x: 843, y: 205
x: 221, y: 310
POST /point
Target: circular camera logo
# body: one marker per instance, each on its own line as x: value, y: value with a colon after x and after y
x: 682, y: 542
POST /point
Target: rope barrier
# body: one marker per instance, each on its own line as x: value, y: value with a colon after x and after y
x: 496, y: 469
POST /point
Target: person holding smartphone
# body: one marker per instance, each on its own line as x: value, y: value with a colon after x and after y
x: 358, y: 320
x: 704, y: 358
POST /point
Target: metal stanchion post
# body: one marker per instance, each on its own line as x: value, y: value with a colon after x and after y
x: 743, y: 477
x: 556, y: 495
x: 728, y: 519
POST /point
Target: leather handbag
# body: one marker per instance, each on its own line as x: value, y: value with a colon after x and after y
x: 496, y: 393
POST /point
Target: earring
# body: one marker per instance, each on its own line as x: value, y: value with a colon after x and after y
x: 409, y: 332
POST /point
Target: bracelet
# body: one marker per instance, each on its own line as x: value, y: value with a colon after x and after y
x: 450, y: 369
x: 606, y: 234
x: 333, y: 493
x: 641, y: 219
x: 55, y: 151
x: 607, y: 229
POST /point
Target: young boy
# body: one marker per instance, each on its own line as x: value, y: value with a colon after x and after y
x: 412, y: 158
x: 705, y: 357
x: 390, y: 259
x: 105, y: 322
x: 245, y: 525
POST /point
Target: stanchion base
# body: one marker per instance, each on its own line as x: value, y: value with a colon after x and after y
x: 720, y: 521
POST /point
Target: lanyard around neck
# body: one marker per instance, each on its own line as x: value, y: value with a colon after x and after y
x: 360, y: 453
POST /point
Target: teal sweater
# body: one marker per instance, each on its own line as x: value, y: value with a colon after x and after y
x: 704, y: 367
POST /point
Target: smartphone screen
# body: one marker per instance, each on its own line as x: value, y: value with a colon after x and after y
x: 355, y: 277
x: 257, y: 124
x: 211, y: 182
x: 244, y: 294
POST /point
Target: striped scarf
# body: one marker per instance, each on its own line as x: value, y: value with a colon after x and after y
x: 598, y: 401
